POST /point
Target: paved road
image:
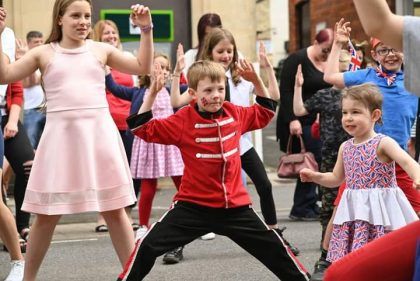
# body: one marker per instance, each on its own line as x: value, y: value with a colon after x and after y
x: 78, y: 253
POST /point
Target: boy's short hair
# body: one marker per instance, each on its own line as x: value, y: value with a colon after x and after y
x: 368, y: 94
x: 33, y: 34
x: 202, y: 69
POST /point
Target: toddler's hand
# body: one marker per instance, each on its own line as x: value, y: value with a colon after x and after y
x: 180, y: 59
x: 306, y: 175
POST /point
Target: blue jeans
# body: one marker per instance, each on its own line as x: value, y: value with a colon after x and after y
x: 34, y: 122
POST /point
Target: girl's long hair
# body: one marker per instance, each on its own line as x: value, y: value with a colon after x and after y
x: 206, y: 20
x: 60, y: 7
x: 212, y: 39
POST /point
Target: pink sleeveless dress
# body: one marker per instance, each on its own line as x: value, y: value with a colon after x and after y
x: 372, y: 204
x: 80, y: 164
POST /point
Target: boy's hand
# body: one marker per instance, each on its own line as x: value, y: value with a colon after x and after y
x: 299, y: 77
x: 3, y: 14
x: 247, y: 71
x: 21, y: 48
x: 140, y: 15
x: 158, y: 79
x: 342, y: 32
x: 264, y: 61
x: 306, y: 175
x: 180, y: 59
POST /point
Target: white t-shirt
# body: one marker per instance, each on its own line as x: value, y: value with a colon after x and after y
x: 189, y: 58
x: 411, y: 45
x: 9, y: 48
x: 240, y: 95
x: 34, y: 96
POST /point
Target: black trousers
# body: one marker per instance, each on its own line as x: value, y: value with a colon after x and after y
x: 185, y: 222
x: 18, y: 150
x: 254, y: 168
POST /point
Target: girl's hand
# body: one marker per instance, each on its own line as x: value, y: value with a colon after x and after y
x: 247, y: 71
x: 140, y: 16
x: 299, y: 77
x: 21, y: 48
x: 342, y: 32
x: 180, y: 59
x: 264, y: 61
x: 3, y: 14
x: 306, y: 175
x: 10, y: 130
x: 158, y: 79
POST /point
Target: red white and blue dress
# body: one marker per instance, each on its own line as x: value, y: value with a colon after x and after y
x: 372, y: 203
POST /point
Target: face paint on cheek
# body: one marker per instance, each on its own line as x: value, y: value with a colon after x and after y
x: 204, y: 101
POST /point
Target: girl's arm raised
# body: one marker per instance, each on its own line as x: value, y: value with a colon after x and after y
x: 17, y: 70
x: 247, y: 71
x: 298, y: 107
x: 178, y: 100
x: 158, y: 80
x: 273, y: 87
x: 331, y: 179
x: 389, y: 149
x: 141, y: 17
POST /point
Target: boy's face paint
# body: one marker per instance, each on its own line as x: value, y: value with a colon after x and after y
x: 209, y: 95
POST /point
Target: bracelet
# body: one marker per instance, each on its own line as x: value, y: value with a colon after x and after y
x: 147, y: 28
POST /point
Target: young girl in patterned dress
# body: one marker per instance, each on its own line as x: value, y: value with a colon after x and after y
x: 372, y: 203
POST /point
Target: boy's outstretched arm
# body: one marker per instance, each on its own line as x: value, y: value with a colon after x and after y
x: 273, y: 87
x: 332, y: 74
x: 378, y: 21
x: 178, y: 100
x: 331, y: 179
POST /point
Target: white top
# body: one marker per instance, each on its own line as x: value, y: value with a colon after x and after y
x: 34, y: 96
x: 240, y: 95
x: 9, y: 48
x: 189, y: 57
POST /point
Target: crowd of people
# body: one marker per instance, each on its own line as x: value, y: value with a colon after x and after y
x: 129, y: 120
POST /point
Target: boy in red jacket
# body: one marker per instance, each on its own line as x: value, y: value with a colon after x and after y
x: 211, y: 197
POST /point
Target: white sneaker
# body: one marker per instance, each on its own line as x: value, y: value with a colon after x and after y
x: 16, y: 273
x: 141, y: 232
x: 208, y: 236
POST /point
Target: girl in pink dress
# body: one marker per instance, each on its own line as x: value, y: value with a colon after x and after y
x: 372, y: 203
x: 80, y: 165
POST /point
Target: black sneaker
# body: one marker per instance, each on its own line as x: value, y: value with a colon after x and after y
x: 320, y: 268
x: 292, y: 248
x: 174, y: 256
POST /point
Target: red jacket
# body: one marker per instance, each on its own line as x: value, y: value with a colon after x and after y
x: 14, y: 94
x: 210, y: 150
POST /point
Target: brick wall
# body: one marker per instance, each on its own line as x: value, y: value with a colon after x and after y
x: 328, y: 11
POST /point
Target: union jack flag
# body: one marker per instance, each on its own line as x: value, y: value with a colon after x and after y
x: 355, y: 61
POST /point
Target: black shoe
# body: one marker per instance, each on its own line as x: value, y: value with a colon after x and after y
x: 320, y: 268
x: 307, y: 217
x: 292, y: 248
x: 174, y: 256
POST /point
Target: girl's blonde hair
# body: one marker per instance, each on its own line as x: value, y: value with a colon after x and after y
x: 99, y: 27
x: 144, y: 80
x: 368, y: 94
x: 212, y: 39
x: 60, y: 7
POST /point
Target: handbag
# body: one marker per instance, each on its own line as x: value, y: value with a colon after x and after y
x: 290, y: 164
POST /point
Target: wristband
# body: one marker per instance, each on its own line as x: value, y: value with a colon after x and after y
x: 147, y: 28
